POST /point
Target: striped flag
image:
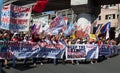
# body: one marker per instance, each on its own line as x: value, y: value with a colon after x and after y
x: 57, y: 26
x: 69, y: 29
x: 105, y: 27
x: 107, y: 31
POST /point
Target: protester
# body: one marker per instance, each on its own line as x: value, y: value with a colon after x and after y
x: 37, y: 39
x: 50, y: 41
x: 92, y: 60
x: 5, y: 38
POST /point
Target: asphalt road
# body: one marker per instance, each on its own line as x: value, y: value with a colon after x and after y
x: 111, y: 65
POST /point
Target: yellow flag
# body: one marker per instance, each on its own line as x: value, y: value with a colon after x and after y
x: 73, y: 36
x: 92, y: 36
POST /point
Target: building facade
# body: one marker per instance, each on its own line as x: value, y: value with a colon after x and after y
x: 109, y: 13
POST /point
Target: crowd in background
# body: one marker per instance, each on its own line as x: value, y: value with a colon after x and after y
x: 67, y: 40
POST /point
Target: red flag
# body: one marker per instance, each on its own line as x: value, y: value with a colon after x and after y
x: 40, y: 5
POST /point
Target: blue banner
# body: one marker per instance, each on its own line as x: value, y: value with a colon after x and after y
x: 104, y: 50
x: 19, y: 50
x: 26, y: 50
x: 108, y: 50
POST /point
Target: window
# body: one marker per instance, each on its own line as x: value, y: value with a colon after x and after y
x: 99, y: 17
x: 107, y: 17
x: 117, y: 16
x: 111, y: 5
x: 110, y: 16
x: 113, y: 16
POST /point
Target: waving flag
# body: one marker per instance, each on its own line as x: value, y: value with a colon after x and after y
x: 105, y: 27
x: 57, y: 25
x: 102, y: 29
x: 69, y: 30
x: 40, y: 5
x: 98, y: 29
x: 107, y: 31
x: 37, y: 28
x: 33, y: 27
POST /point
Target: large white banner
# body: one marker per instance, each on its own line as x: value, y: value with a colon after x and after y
x: 15, y: 18
x: 82, y: 52
x: 20, y: 18
x: 5, y: 17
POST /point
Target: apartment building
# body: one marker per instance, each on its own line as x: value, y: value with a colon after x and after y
x: 109, y: 13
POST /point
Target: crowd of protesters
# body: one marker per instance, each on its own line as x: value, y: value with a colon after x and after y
x: 31, y: 37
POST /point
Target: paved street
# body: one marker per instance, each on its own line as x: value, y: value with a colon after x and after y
x: 110, y: 65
